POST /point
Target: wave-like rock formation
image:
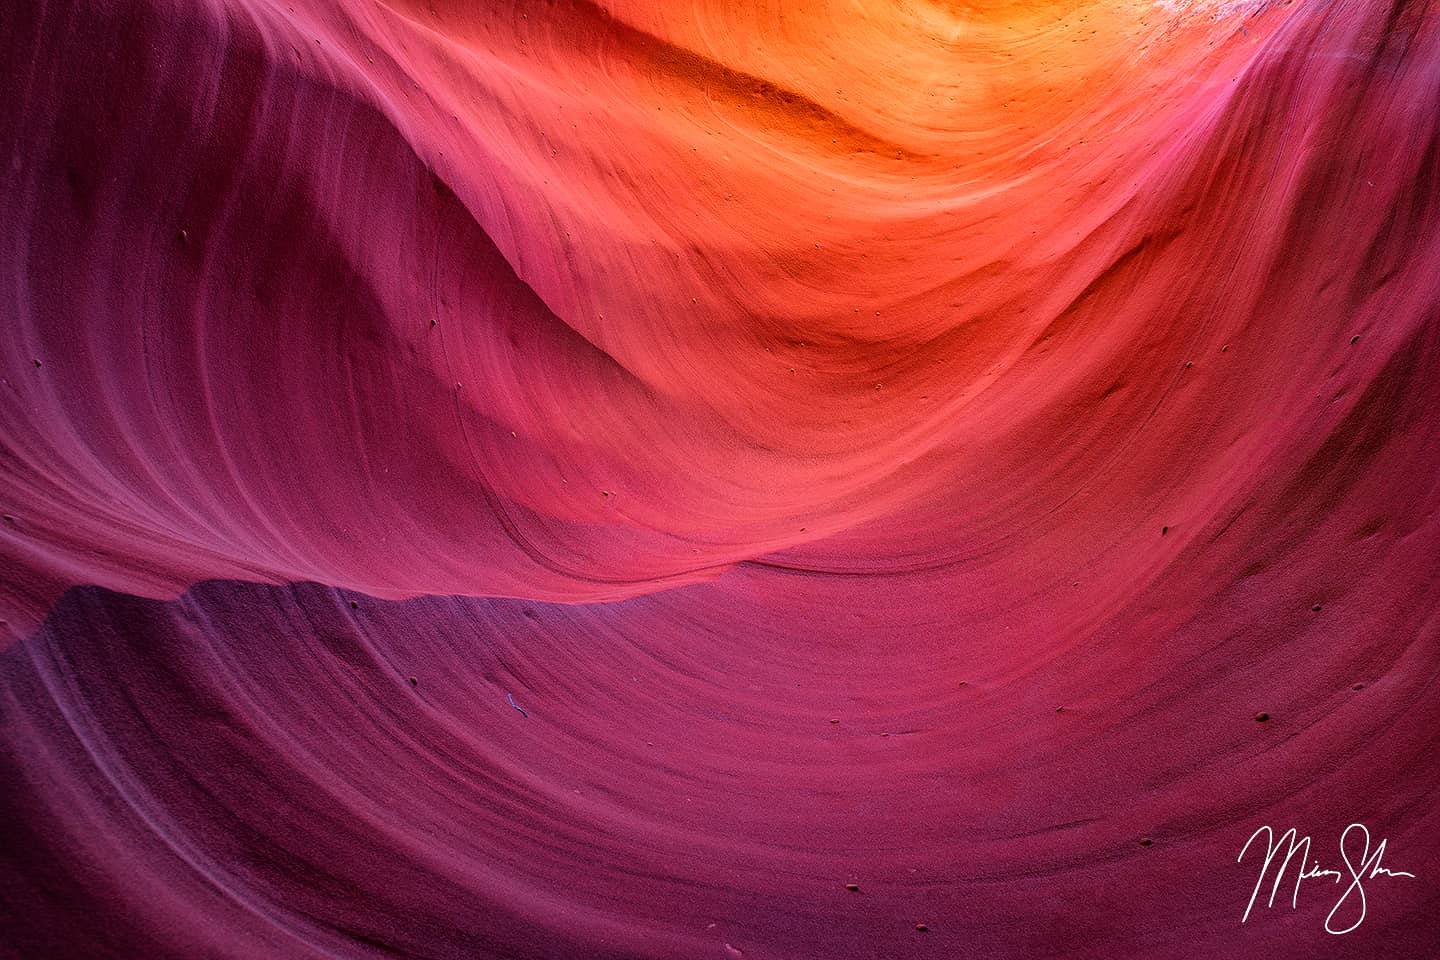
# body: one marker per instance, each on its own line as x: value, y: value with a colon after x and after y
x: 595, y: 479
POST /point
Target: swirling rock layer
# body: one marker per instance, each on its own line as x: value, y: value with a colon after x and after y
x: 595, y: 480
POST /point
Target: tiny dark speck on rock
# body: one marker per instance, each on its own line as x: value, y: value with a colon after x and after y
x: 1316, y: 608
x: 354, y: 605
x: 1261, y: 717
x: 1164, y: 530
x: 921, y: 927
x: 37, y: 363
x: 1358, y: 686
x: 1146, y: 841
x: 414, y: 682
x: 853, y: 887
x: 1187, y: 364
x: 1355, y: 339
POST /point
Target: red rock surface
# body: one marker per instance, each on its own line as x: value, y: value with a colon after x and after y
x: 458, y: 462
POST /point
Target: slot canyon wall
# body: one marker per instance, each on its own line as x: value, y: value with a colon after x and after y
x: 594, y: 479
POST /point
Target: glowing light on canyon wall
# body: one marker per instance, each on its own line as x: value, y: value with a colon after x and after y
x: 682, y: 480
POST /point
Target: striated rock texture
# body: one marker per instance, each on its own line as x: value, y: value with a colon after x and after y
x: 460, y: 459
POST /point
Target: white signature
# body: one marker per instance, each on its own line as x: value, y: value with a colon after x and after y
x: 1366, y: 867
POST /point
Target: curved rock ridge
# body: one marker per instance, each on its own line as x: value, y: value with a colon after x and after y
x: 587, y: 479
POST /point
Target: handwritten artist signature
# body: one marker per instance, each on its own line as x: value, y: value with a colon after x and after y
x: 1360, y: 868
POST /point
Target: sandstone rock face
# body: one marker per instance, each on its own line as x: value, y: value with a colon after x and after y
x: 637, y: 479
